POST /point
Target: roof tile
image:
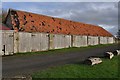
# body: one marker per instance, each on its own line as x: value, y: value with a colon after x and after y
x: 30, y: 22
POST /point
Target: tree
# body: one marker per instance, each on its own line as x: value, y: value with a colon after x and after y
x: 118, y: 34
x: 4, y: 14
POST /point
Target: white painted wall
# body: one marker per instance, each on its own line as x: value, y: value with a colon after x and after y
x: 31, y: 42
x: 110, y: 40
x: 103, y: 40
x: 61, y: 41
x: 7, y: 41
x: 79, y: 41
x: 93, y: 40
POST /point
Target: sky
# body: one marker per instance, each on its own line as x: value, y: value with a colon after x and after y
x: 60, y: 0
x: 104, y: 14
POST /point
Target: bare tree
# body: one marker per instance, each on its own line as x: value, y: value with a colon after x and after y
x: 118, y: 33
x: 4, y: 14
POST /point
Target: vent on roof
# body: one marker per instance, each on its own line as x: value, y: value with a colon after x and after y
x: 17, y: 24
x: 32, y: 21
x: 25, y: 22
x: 30, y: 15
x: 24, y: 17
x: 31, y: 29
x: 15, y: 16
x: 34, y: 28
x: 53, y: 30
x: 53, y: 19
x: 74, y: 27
x: 60, y: 23
x: 43, y: 24
x: 21, y: 29
x: 68, y: 33
x: 47, y: 32
x: 60, y: 28
x: 83, y: 24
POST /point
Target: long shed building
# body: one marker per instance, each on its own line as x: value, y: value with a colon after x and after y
x: 45, y: 32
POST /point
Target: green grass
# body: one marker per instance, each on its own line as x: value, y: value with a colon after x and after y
x: 107, y: 69
x: 64, y: 50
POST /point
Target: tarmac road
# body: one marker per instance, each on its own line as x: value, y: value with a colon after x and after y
x: 26, y: 65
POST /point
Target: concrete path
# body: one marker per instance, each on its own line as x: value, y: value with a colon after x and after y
x: 26, y: 65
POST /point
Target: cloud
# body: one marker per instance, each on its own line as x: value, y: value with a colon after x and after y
x: 104, y: 14
x: 110, y: 28
x: 97, y: 13
x: 0, y: 8
x: 60, y: 0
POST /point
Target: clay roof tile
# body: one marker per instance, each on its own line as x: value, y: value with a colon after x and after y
x: 31, y: 22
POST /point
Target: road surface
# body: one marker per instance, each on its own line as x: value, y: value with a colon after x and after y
x: 26, y: 65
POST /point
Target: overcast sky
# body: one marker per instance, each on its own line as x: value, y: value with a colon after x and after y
x: 104, y: 14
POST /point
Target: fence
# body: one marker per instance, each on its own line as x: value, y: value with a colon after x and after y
x: 17, y: 42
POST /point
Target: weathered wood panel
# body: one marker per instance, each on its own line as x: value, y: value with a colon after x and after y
x: 7, y: 42
x: 110, y: 40
x: 58, y: 41
x: 93, y: 40
x: 18, y: 42
x: 79, y: 41
x: 24, y: 42
x: 103, y: 40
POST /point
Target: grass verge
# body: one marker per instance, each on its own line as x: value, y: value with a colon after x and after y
x: 107, y: 69
x: 64, y: 50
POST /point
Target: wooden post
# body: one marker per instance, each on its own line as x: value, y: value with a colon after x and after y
x: 72, y: 40
x: 98, y: 39
x: 16, y: 42
x: 51, y: 45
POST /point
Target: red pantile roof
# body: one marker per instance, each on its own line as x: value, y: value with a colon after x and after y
x: 4, y: 27
x: 30, y: 22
